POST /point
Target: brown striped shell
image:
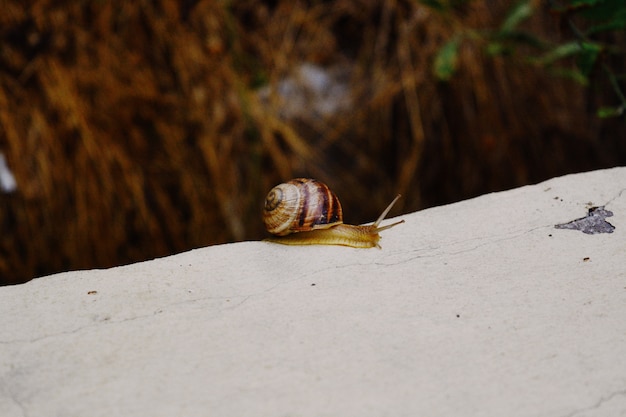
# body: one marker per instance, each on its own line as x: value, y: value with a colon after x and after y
x: 301, y: 205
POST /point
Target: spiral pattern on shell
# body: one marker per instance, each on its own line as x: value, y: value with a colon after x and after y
x: 301, y: 205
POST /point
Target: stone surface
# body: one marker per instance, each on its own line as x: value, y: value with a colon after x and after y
x: 480, y: 308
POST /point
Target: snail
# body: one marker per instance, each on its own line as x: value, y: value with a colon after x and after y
x: 306, y: 212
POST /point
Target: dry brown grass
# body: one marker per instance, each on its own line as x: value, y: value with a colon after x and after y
x: 134, y: 129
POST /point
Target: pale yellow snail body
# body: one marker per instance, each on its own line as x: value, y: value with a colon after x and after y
x: 306, y: 212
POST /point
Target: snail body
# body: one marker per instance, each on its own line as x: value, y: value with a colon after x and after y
x: 306, y: 212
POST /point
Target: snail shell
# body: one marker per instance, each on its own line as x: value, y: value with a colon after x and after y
x: 306, y: 212
x: 301, y: 205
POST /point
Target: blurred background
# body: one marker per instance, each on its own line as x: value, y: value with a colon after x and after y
x: 134, y: 130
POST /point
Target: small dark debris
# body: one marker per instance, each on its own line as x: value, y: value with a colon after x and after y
x: 586, y: 259
x: 313, y: 285
x: 592, y: 224
x: 458, y: 315
x: 92, y: 292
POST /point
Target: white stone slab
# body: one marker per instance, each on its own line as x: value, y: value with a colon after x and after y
x: 480, y: 308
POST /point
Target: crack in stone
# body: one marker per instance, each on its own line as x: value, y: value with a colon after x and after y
x: 622, y: 191
x: 18, y: 404
x: 104, y: 321
x: 465, y: 246
x: 598, y: 403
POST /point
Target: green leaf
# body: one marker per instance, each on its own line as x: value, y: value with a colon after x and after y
x: 605, y: 112
x: 618, y: 21
x: 497, y: 48
x: 560, y: 52
x: 520, y: 12
x: 588, y: 56
x: 434, y: 4
x: 519, y: 37
x: 446, y: 60
x: 568, y: 73
x: 445, y: 5
x: 599, y: 9
x: 586, y: 2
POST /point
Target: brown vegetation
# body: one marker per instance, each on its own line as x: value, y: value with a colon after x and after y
x: 135, y: 129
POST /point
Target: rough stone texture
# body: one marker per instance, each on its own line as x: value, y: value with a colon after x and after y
x: 480, y: 308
